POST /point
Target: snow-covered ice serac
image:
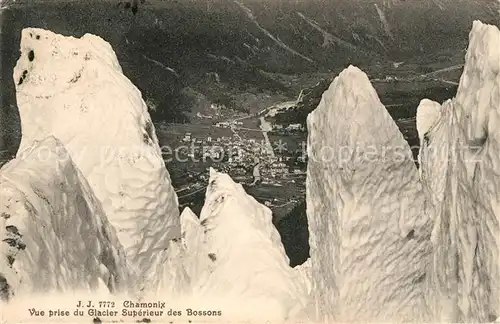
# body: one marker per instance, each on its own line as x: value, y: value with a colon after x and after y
x: 193, y: 235
x: 243, y: 259
x: 56, y: 237
x: 184, y: 258
x: 232, y: 258
x: 460, y: 172
x: 74, y: 89
x: 369, y: 236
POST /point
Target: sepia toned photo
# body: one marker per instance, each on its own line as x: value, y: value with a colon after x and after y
x: 249, y: 161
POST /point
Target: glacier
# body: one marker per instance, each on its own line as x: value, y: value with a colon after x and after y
x: 239, y: 229
x: 74, y: 89
x: 232, y: 257
x: 390, y: 243
x: 87, y: 207
x: 57, y: 236
x: 368, y: 235
x: 460, y: 172
x: 183, y: 259
x: 97, y: 120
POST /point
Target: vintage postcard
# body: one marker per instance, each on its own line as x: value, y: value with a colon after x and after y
x: 249, y: 161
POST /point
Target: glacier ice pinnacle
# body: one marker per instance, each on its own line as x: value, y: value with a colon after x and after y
x: 232, y: 258
x: 74, y: 89
x: 460, y: 168
x: 52, y: 222
x: 369, y: 237
x: 427, y: 116
x: 245, y: 259
x: 185, y: 258
x: 193, y: 238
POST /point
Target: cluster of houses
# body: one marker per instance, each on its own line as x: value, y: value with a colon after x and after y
x: 218, y: 111
x: 238, y: 155
x: 290, y: 128
x: 228, y: 124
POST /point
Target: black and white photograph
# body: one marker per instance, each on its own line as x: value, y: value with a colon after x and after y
x: 249, y: 161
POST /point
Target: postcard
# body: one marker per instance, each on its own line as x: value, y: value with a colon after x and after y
x: 249, y: 161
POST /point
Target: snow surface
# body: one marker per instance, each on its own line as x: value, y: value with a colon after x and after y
x: 193, y: 238
x: 245, y: 258
x: 74, y: 89
x: 232, y: 257
x: 56, y: 234
x: 305, y: 274
x: 460, y: 171
x: 184, y: 260
x: 427, y: 115
x: 368, y: 233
